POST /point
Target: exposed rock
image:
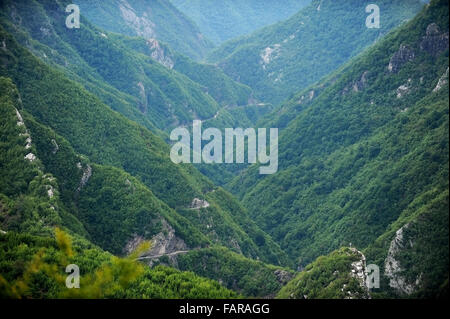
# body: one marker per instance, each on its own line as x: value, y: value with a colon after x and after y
x: 442, y: 81
x: 358, y: 271
x: 28, y: 145
x: 392, y: 267
x: 402, y: 56
x: 435, y: 41
x: 19, y: 119
x: 403, y: 89
x: 50, y: 191
x: 357, y: 85
x: 361, y: 83
x: 141, y: 25
x: 87, y: 173
x: 158, y: 54
x: 283, y: 276
x: 30, y: 156
x: 198, y: 203
x: 268, y: 54
x: 143, y: 103
x: 55, y: 146
x: 165, y: 243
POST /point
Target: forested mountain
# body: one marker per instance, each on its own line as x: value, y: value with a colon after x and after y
x: 363, y: 150
x: 226, y: 19
x: 114, y: 177
x: 364, y: 155
x: 150, y: 19
x: 32, y: 262
x: 282, y: 59
x: 136, y: 77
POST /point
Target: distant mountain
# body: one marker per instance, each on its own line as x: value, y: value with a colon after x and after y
x: 279, y: 60
x: 150, y: 19
x: 226, y: 19
x: 142, y: 79
x: 364, y: 159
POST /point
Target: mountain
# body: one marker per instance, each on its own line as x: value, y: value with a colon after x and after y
x: 34, y: 250
x: 150, y: 19
x: 364, y: 160
x: 115, y: 176
x: 223, y: 20
x: 138, y: 84
x: 279, y: 60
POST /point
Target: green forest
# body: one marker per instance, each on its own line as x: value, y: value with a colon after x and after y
x: 86, y: 177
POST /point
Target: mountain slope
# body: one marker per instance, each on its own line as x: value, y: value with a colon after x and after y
x: 150, y: 19
x: 371, y: 141
x: 222, y: 20
x: 34, y: 250
x: 107, y: 138
x: 282, y: 59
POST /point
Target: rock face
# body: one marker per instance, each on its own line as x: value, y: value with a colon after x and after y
x: 142, y: 25
x: 198, y: 203
x: 165, y: 243
x: 87, y: 173
x: 442, y: 81
x: 435, y: 41
x: 159, y: 55
x: 143, y: 103
x: 392, y: 267
x: 402, y: 56
x: 404, y: 89
x: 268, y: 54
x: 283, y: 276
x: 358, y: 271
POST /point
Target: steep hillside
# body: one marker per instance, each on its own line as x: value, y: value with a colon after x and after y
x: 34, y: 251
x: 150, y: 19
x: 133, y: 84
x: 339, y: 275
x: 107, y: 138
x: 226, y: 19
x: 362, y: 148
x: 282, y: 59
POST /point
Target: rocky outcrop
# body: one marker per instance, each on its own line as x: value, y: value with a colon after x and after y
x: 87, y: 173
x: 404, y: 89
x: 143, y: 103
x: 392, y: 267
x: 198, y: 203
x: 401, y: 57
x: 141, y: 25
x: 357, y: 85
x: 434, y: 41
x: 268, y: 54
x: 158, y: 54
x: 442, y: 81
x: 165, y: 243
x: 358, y: 271
x: 283, y: 276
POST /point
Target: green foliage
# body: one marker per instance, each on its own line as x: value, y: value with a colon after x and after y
x: 307, y: 46
x: 351, y: 162
x: 33, y: 267
x: 226, y: 19
x: 158, y: 19
x: 328, y: 277
x: 249, y: 277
